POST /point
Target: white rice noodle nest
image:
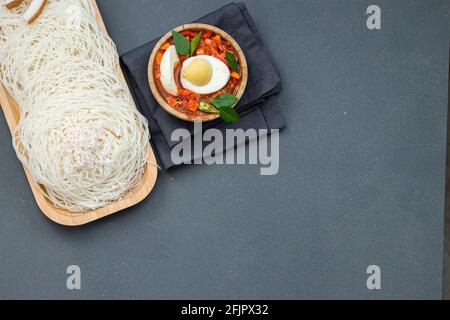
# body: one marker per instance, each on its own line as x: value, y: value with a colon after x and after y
x: 80, y: 135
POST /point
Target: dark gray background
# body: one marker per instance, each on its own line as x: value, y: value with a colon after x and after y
x: 361, y: 177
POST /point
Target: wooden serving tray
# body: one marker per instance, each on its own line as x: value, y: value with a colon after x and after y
x: 65, y: 217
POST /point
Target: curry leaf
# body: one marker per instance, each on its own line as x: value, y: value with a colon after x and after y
x: 228, y: 114
x: 195, y: 41
x: 231, y: 59
x: 225, y: 100
x: 181, y: 43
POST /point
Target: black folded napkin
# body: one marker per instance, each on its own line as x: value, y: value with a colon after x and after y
x: 258, y: 106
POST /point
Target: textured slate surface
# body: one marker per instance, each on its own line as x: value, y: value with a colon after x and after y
x: 446, y: 274
x: 361, y: 177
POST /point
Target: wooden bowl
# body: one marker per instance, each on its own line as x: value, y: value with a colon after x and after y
x: 195, y: 27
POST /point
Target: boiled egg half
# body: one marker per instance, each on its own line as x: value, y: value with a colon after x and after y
x: 168, y: 63
x: 204, y: 74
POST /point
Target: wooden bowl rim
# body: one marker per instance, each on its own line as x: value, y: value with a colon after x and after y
x: 195, y: 26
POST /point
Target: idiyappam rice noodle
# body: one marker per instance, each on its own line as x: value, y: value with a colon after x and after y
x: 80, y: 135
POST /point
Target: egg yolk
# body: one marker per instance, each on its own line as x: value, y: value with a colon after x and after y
x: 198, y: 72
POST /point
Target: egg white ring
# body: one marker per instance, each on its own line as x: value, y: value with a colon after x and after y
x: 168, y: 63
x: 219, y: 79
